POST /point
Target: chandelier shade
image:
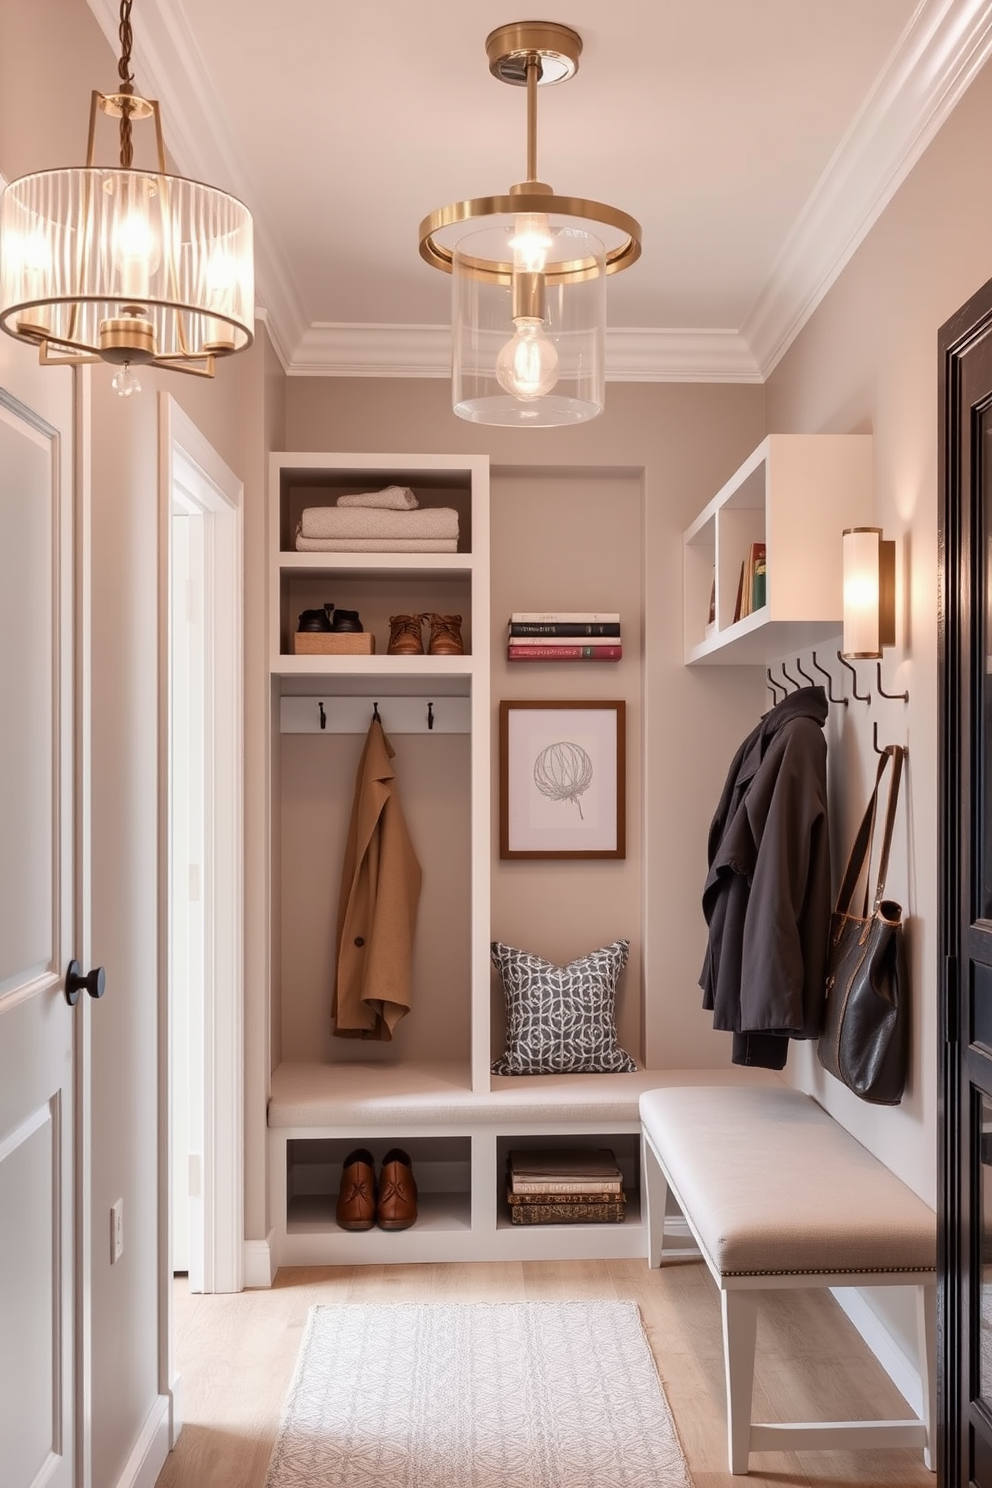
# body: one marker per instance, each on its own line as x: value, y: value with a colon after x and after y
x: 529, y: 269
x: 126, y: 264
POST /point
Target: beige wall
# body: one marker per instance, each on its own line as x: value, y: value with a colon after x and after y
x: 591, y: 517
x: 867, y: 361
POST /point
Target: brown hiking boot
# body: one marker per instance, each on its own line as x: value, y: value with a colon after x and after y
x: 446, y: 635
x: 405, y: 636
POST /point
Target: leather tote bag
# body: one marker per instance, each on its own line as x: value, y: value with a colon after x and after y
x: 865, y: 1039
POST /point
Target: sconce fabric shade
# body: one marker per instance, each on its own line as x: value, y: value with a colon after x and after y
x: 869, y: 565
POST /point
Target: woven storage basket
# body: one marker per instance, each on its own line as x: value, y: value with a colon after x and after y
x: 326, y: 643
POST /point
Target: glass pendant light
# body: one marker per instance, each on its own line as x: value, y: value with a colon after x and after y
x: 529, y: 269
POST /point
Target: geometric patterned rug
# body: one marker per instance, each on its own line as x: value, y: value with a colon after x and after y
x: 476, y: 1395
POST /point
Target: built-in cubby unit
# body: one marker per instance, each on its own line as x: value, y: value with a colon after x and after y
x: 795, y: 495
x: 428, y: 1090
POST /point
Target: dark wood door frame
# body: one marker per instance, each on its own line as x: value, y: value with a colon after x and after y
x: 960, y: 338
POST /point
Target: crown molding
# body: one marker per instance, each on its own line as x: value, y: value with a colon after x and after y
x: 945, y: 44
x: 341, y: 350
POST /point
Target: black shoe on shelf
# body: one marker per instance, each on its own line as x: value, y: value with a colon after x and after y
x: 314, y: 620
x: 346, y: 620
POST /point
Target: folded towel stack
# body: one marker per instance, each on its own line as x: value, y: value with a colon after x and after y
x: 391, y: 498
x: 339, y: 529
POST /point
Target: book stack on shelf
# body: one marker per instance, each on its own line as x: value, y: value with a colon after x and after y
x: 752, y: 587
x: 565, y: 1187
x: 580, y: 635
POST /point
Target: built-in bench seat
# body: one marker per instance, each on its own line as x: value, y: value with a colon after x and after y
x: 388, y: 1096
x: 778, y: 1194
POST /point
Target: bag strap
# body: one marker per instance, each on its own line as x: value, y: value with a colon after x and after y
x: 861, y: 851
x: 898, y: 754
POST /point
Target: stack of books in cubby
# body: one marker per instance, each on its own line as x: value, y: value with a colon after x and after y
x: 564, y: 635
x: 565, y: 1187
x: 752, y: 586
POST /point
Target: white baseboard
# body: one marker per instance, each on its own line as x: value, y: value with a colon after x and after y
x: 176, y: 1413
x: 258, y: 1265
x: 149, y: 1452
x: 902, y: 1371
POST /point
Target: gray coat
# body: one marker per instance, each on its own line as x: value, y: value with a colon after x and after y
x: 767, y: 894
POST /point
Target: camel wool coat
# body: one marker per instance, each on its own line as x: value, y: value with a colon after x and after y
x: 377, y: 910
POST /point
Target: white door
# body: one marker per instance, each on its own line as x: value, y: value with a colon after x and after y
x: 37, y: 1025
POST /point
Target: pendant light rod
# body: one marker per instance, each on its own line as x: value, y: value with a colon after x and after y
x: 533, y: 78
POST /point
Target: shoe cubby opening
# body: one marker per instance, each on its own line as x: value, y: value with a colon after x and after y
x: 376, y: 597
x: 432, y: 488
x: 626, y: 1149
x: 441, y: 1166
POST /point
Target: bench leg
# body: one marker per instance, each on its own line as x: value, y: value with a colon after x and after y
x: 926, y: 1333
x: 655, y: 1189
x: 740, y: 1318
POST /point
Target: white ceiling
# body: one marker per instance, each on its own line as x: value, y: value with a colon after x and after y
x: 755, y: 141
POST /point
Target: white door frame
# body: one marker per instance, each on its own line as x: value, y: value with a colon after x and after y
x: 188, y: 463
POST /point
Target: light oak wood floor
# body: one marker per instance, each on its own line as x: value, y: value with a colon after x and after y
x: 235, y: 1355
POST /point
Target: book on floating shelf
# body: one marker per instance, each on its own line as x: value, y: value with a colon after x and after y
x: 759, y: 576
x: 544, y: 1196
x: 751, y: 588
x: 521, y: 630
x: 564, y: 653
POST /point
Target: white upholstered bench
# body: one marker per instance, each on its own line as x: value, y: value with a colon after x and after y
x: 778, y: 1194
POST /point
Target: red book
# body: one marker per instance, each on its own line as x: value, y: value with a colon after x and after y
x: 564, y: 653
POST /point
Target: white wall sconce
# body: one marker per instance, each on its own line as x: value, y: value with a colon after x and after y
x: 869, y: 564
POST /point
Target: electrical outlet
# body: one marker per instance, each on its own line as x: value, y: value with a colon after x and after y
x: 116, y: 1231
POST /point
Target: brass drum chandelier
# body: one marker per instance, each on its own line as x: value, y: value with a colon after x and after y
x: 529, y: 268
x: 124, y: 264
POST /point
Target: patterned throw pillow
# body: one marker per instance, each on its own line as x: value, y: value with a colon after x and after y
x: 561, y: 1019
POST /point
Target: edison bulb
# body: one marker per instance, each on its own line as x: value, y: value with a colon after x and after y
x: 527, y: 366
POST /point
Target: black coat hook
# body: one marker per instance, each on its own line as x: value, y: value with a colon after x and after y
x: 902, y: 697
x: 776, y: 687
x: 375, y: 713
x: 790, y: 678
x: 862, y: 697
x: 323, y: 715
x: 430, y: 715
x: 806, y: 675
x: 885, y: 749
x: 830, y: 684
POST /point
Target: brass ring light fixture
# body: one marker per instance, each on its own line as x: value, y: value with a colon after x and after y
x: 529, y: 268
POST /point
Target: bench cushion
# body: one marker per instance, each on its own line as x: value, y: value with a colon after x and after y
x: 773, y: 1185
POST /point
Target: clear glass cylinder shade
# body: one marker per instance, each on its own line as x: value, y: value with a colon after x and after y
x: 88, y: 249
x: 566, y: 337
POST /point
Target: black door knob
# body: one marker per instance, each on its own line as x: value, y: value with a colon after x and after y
x: 95, y: 982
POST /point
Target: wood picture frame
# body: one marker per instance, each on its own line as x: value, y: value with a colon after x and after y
x: 562, y: 779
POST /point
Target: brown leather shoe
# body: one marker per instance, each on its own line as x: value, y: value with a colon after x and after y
x: 446, y: 635
x: 405, y: 636
x: 356, y: 1197
x: 397, y: 1207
